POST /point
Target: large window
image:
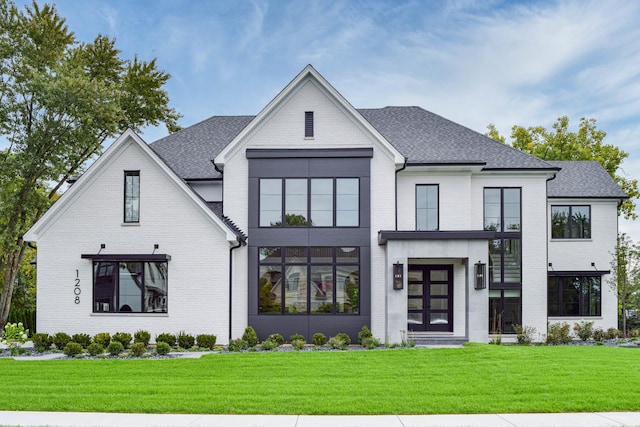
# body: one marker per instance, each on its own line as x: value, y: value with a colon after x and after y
x: 309, y: 202
x: 132, y: 196
x: 502, y: 209
x: 309, y: 280
x: 129, y: 287
x: 570, y: 222
x: 502, y: 215
x: 574, y: 295
x: 427, y: 207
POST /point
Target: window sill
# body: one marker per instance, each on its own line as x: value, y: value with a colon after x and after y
x: 572, y: 318
x: 130, y: 224
x: 309, y: 138
x: 570, y: 240
x: 130, y: 314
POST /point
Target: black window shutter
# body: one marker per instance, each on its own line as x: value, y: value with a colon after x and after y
x: 308, y: 124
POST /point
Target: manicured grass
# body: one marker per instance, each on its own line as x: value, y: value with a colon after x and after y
x: 475, y: 379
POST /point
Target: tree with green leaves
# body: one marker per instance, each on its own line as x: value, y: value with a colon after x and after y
x: 625, y: 276
x: 60, y: 100
x: 586, y: 144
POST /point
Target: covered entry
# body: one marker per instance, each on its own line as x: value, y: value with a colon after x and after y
x: 430, y: 298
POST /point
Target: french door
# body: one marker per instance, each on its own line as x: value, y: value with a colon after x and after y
x: 430, y: 298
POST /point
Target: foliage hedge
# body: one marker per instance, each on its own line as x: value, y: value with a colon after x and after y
x: 27, y: 317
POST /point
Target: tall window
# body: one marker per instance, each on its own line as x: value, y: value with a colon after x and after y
x: 502, y: 214
x: 309, y: 202
x: 130, y: 287
x: 427, y: 207
x: 570, y: 222
x: 309, y: 280
x: 574, y: 295
x: 505, y: 310
x: 132, y: 196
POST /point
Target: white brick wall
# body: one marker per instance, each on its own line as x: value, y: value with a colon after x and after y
x: 198, y: 271
x: 578, y: 254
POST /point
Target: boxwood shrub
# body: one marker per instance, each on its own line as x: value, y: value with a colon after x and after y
x: 163, y: 348
x: 41, y: 342
x: 277, y: 338
x: 138, y: 349
x: 83, y: 339
x: 206, y: 341
x: 72, y: 349
x: 95, y: 349
x: 142, y: 336
x: 185, y: 340
x: 123, y: 338
x: 166, y: 338
x: 115, y: 348
x: 319, y: 339
x: 102, y: 338
x: 61, y: 340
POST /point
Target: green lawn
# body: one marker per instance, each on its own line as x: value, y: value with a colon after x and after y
x: 474, y: 379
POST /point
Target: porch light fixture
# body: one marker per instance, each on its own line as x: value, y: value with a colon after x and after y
x: 398, y: 276
x: 481, y: 270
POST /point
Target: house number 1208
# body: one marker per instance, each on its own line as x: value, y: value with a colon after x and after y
x: 76, y: 288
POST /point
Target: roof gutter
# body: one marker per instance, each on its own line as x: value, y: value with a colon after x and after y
x: 404, y: 166
x: 240, y: 244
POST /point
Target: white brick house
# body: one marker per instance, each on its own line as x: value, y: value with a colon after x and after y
x: 393, y: 218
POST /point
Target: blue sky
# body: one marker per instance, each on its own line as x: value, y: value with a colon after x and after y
x: 474, y: 62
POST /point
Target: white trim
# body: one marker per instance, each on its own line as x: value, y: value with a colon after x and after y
x: 113, y: 152
x: 308, y: 74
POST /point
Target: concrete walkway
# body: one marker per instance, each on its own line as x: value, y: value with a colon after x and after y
x: 8, y: 418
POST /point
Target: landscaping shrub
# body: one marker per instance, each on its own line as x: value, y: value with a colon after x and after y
x: 61, y: 340
x: 611, y: 334
x: 142, y: 336
x: 95, y: 349
x: 344, y: 337
x: 268, y: 345
x: 185, y: 340
x: 298, y: 344
x: 115, y: 347
x: 162, y: 348
x: 584, y: 330
x: 123, y: 338
x: 41, y: 342
x: 337, y: 342
x: 250, y: 336
x: 167, y: 338
x: 102, y: 338
x: 138, y: 349
x: 206, y: 341
x: 524, y: 334
x: 558, y: 333
x: 319, y: 339
x: 294, y: 337
x: 372, y: 343
x: 83, y: 339
x: 277, y: 338
x: 237, y: 345
x: 598, y: 335
x: 25, y: 316
x: 364, y: 335
x: 72, y: 349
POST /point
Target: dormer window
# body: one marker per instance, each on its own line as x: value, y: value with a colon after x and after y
x: 308, y: 124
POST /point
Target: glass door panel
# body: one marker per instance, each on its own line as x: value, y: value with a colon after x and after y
x: 430, y: 298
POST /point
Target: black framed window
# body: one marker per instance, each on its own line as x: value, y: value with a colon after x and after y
x: 308, y: 124
x: 571, y: 222
x: 309, y: 202
x: 309, y: 280
x: 130, y: 287
x: 505, y: 310
x: 427, y: 201
x: 574, y: 295
x: 132, y: 196
x: 502, y: 214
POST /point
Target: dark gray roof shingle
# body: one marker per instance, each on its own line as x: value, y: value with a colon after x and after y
x: 421, y: 136
x: 189, y: 152
x: 586, y: 179
x: 424, y: 137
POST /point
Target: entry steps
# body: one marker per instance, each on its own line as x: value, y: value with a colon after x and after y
x: 426, y: 339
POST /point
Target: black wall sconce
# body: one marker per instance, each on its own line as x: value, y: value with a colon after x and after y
x: 398, y: 276
x: 481, y: 272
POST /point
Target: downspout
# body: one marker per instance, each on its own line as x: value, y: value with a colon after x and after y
x: 404, y: 166
x: 241, y: 243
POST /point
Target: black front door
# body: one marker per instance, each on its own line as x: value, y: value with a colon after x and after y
x: 430, y: 298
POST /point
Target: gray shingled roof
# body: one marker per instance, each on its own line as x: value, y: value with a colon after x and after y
x: 586, y: 179
x: 424, y: 137
x: 190, y: 151
x: 421, y: 136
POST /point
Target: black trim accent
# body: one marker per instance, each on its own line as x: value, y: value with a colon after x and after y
x: 588, y: 197
x: 320, y: 153
x: 384, y: 235
x: 578, y: 273
x: 556, y: 169
x: 445, y: 163
x: 127, y: 257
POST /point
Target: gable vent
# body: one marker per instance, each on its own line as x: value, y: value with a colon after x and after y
x: 308, y: 124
